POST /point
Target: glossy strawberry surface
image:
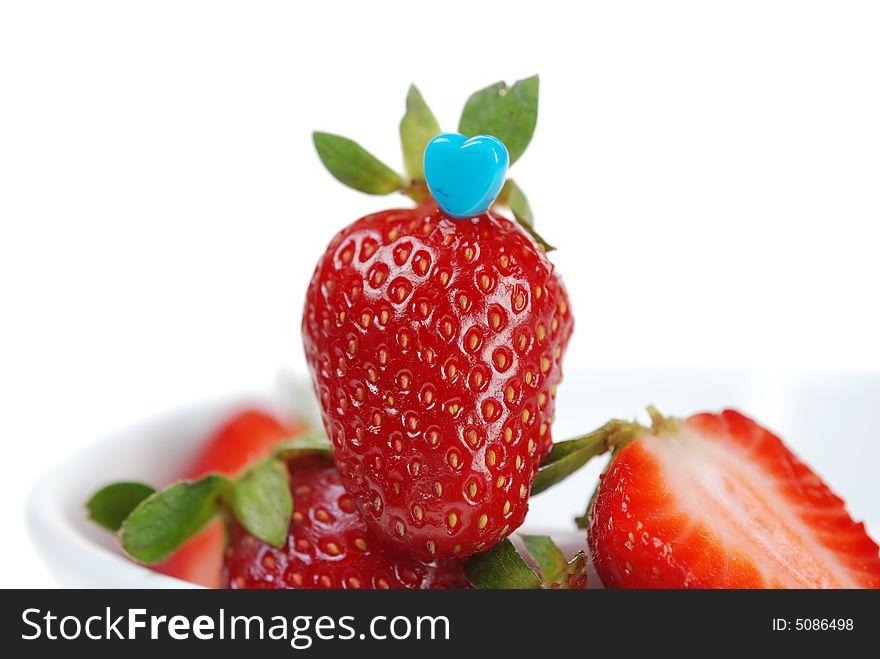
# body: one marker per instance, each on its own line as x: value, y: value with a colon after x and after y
x: 328, y: 545
x: 435, y: 347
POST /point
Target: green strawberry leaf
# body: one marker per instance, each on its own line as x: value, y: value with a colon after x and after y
x: 309, y: 442
x: 354, y: 166
x: 557, y: 573
x: 560, y: 470
x: 417, y: 128
x: 262, y: 503
x: 501, y: 568
x: 567, y: 457
x: 575, y: 573
x: 510, y: 114
x: 110, y: 505
x: 153, y: 524
x: 550, y: 559
x: 547, y: 247
x: 515, y: 199
x: 165, y: 520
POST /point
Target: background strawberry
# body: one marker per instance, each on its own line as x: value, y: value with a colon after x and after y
x: 328, y: 544
x: 717, y: 501
x: 244, y: 438
x: 435, y: 345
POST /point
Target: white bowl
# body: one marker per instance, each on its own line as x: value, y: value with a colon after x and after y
x: 826, y: 417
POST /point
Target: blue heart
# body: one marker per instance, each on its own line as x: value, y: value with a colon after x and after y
x: 465, y: 175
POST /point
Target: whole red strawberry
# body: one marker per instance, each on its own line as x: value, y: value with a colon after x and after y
x: 435, y: 346
x: 717, y: 501
x: 328, y: 545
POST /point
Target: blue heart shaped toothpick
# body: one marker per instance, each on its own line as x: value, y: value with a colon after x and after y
x: 465, y: 175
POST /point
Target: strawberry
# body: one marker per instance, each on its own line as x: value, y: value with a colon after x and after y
x: 328, y: 544
x: 244, y: 438
x: 290, y: 524
x: 247, y: 436
x: 435, y: 346
x: 717, y: 501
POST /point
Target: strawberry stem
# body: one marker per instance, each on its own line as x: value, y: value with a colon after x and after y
x: 660, y: 423
x: 567, y: 457
x: 417, y: 190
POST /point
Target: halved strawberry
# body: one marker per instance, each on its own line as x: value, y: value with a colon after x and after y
x: 717, y: 501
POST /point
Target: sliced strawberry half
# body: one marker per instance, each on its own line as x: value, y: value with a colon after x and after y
x: 717, y: 501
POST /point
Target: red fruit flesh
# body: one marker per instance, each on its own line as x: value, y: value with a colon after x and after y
x: 200, y: 559
x: 721, y: 503
x: 328, y: 545
x: 244, y: 438
x: 435, y: 347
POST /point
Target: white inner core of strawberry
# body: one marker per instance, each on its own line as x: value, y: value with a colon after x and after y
x: 717, y: 482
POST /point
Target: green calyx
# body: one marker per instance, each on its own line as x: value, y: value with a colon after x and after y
x: 509, y: 113
x: 504, y: 568
x: 152, y: 524
x: 417, y: 128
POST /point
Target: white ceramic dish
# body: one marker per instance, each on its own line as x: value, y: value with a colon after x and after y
x: 827, y: 417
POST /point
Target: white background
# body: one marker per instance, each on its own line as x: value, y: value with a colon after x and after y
x: 710, y: 171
